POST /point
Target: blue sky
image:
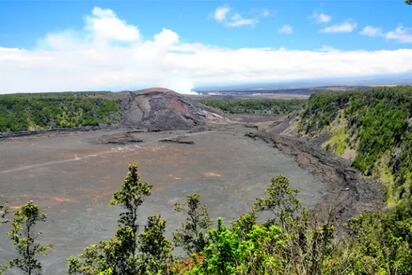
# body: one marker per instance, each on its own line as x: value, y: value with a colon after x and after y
x: 363, y: 35
x: 24, y: 22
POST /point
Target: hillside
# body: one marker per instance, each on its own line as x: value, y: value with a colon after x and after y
x: 159, y: 109
x: 370, y: 127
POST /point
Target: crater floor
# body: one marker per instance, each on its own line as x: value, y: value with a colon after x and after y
x: 73, y: 175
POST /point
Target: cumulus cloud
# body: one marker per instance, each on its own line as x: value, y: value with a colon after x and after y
x: 104, y: 24
x: 238, y: 21
x: 371, y: 31
x: 163, y: 60
x: 102, y: 27
x: 321, y: 17
x: 400, y: 34
x: 286, y: 29
x: 227, y: 17
x: 221, y: 13
x: 344, y: 27
x: 166, y: 38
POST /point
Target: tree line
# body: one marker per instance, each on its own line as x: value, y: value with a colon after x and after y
x: 23, y: 112
x: 255, y: 106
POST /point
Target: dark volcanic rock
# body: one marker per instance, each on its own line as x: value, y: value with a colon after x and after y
x: 350, y: 193
x: 180, y: 140
x: 160, y: 109
x: 119, y: 138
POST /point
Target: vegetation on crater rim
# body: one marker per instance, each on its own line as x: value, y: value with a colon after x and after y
x: 22, y: 112
x: 377, y: 124
x: 255, y: 106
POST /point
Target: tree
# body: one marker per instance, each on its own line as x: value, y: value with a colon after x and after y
x: 3, y: 213
x: 223, y: 253
x: 408, y: 2
x: 281, y: 200
x: 23, y: 237
x: 307, y: 245
x: 154, y: 247
x: 130, y: 196
x: 245, y: 223
x: 378, y: 243
x: 118, y: 254
x: 257, y: 252
x: 192, y: 235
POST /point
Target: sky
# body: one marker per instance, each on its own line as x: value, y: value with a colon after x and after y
x: 124, y: 45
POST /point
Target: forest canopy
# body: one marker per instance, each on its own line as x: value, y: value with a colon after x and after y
x: 22, y: 112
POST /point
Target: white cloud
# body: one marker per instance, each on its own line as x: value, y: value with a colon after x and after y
x: 321, y: 17
x: 104, y: 24
x: 102, y: 27
x: 238, y: 21
x: 166, y: 37
x: 101, y: 64
x: 286, y: 29
x: 371, y: 31
x: 347, y: 26
x: 400, y: 34
x: 328, y: 48
x: 230, y: 19
x: 220, y: 13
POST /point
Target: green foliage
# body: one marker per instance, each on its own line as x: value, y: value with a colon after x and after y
x: 3, y: 213
x: 337, y: 143
x: 255, y: 106
x: 378, y: 243
x: 251, y: 248
x: 192, y: 235
x: 321, y: 110
x: 155, y: 248
x: 130, y: 196
x: 23, y: 237
x: 383, y: 125
x: 21, y: 112
x: 245, y: 223
x: 401, y: 166
x: 95, y: 259
x: 306, y: 247
x: 226, y: 253
x: 378, y: 121
x: 281, y: 200
x: 408, y: 2
x: 289, y: 242
x: 117, y: 255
